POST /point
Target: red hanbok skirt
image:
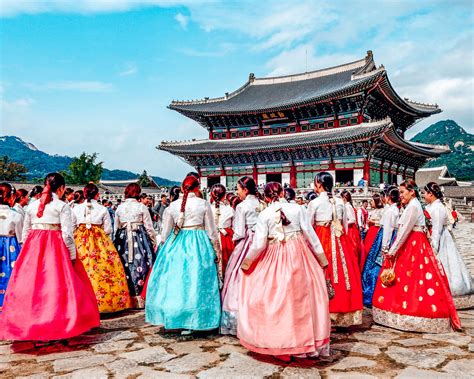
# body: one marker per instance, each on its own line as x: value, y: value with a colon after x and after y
x: 346, y: 306
x: 420, y: 300
x: 227, y: 247
x: 368, y: 242
x: 48, y: 297
x: 353, y: 235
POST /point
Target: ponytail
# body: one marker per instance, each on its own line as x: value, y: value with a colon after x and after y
x: 90, y: 192
x: 218, y: 193
x: 190, y: 183
x: 326, y: 180
x: 52, y: 183
x: 272, y: 192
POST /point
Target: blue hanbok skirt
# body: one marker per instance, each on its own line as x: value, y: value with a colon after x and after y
x: 183, y: 289
x: 9, y: 251
x: 372, y: 267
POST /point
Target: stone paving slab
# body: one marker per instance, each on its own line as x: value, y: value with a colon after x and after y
x: 126, y: 347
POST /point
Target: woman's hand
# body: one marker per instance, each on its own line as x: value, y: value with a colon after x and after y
x: 246, y: 264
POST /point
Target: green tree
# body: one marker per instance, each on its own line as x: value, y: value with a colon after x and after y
x: 144, y: 179
x: 84, y: 169
x: 11, y: 171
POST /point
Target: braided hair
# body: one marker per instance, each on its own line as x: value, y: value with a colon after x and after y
x: 248, y: 183
x: 218, y: 193
x: 272, y: 192
x: 189, y: 184
x: 52, y: 183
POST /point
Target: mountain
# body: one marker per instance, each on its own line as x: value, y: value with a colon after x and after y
x: 40, y: 163
x: 460, y: 161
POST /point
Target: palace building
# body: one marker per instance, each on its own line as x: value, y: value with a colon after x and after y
x: 347, y: 120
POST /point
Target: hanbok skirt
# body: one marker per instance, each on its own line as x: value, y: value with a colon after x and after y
x: 353, y: 236
x: 9, y: 250
x: 372, y: 267
x: 136, y: 266
x: 183, y: 290
x: 227, y: 247
x: 368, y: 242
x: 346, y: 306
x: 231, y: 289
x: 283, y: 303
x: 48, y: 296
x: 420, y: 299
x: 104, y: 268
x: 458, y: 275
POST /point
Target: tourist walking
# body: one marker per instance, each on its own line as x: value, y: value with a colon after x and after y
x: 443, y: 244
x: 412, y: 292
x: 283, y: 307
x: 326, y: 214
x: 223, y: 216
x: 11, y: 226
x: 97, y: 253
x: 49, y: 296
x: 382, y: 242
x: 135, y: 240
x: 245, y: 218
x: 183, y: 290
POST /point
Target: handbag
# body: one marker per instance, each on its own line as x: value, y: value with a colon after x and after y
x: 387, y: 276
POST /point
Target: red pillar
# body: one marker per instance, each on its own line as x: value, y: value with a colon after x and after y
x: 293, y: 175
x: 367, y: 171
x: 360, y: 118
x: 254, y: 174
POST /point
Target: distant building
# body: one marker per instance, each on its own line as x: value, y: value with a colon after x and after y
x: 347, y: 120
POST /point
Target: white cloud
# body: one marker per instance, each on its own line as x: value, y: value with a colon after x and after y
x: 130, y: 69
x: 182, y: 20
x: 223, y: 49
x: 71, y: 85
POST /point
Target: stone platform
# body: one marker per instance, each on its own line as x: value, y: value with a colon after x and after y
x: 126, y: 347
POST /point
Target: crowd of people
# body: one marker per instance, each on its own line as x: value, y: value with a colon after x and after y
x: 275, y: 269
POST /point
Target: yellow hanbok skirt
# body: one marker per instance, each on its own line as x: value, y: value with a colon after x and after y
x: 102, y: 263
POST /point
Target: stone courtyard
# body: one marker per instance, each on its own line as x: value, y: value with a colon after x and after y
x: 126, y: 347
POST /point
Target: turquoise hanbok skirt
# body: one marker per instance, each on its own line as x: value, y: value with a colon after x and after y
x: 183, y: 289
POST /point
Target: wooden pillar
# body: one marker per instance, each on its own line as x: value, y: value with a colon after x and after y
x: 367, y: 171
x: 360, y: 118
x: 254, y: 174
x: 260, y: 128
x: 293, y: 175
x: 228, y: 133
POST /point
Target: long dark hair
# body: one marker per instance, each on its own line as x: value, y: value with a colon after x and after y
x: 394, y: 195
x: 290, y: 194
x: 36, y: 191
x: 21, y: 193
x: 52, y: 183
x: 377, y: 198
x: 174, y: 193
x: 273, y: 192
x: 410, y: 185
x: 326, y: 180
x: 347, y: 196
x: 248, y: 183
x: 218, y: 193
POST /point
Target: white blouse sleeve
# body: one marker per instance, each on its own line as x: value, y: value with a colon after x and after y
x: 26, y: 227
x: 107, y: 223
x: 312, y: 238
x: 116, y: 221
x: 390, y: 223
x: 167, y: 224
x: 209, y: 223
x: 19, y: 228
x: 311, y: 212
x: 360, y: 221
x: 410, y: 217
x: 148, y: 224
x: 260, y: 241
x: 438, y: 219
x: 239, y: 224
x: 67, y: 231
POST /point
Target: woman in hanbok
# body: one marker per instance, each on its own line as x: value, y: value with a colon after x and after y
x: 350, y: 224
x: 412, y: 293
x: 442, y: 241
x: 97, y: 253
x: 11, y: 226
x: 135, y: 240
x: 183, y: 290
x: 22, y: 199
x: 245, y: 218
x: 326, y: 214
x: 49, y: 296
x: 284, y: 305
x: 223, y: 216
x: 375, y: 215
x: 383, y: 241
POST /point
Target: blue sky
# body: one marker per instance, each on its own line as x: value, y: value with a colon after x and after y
x: 96, y: 76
